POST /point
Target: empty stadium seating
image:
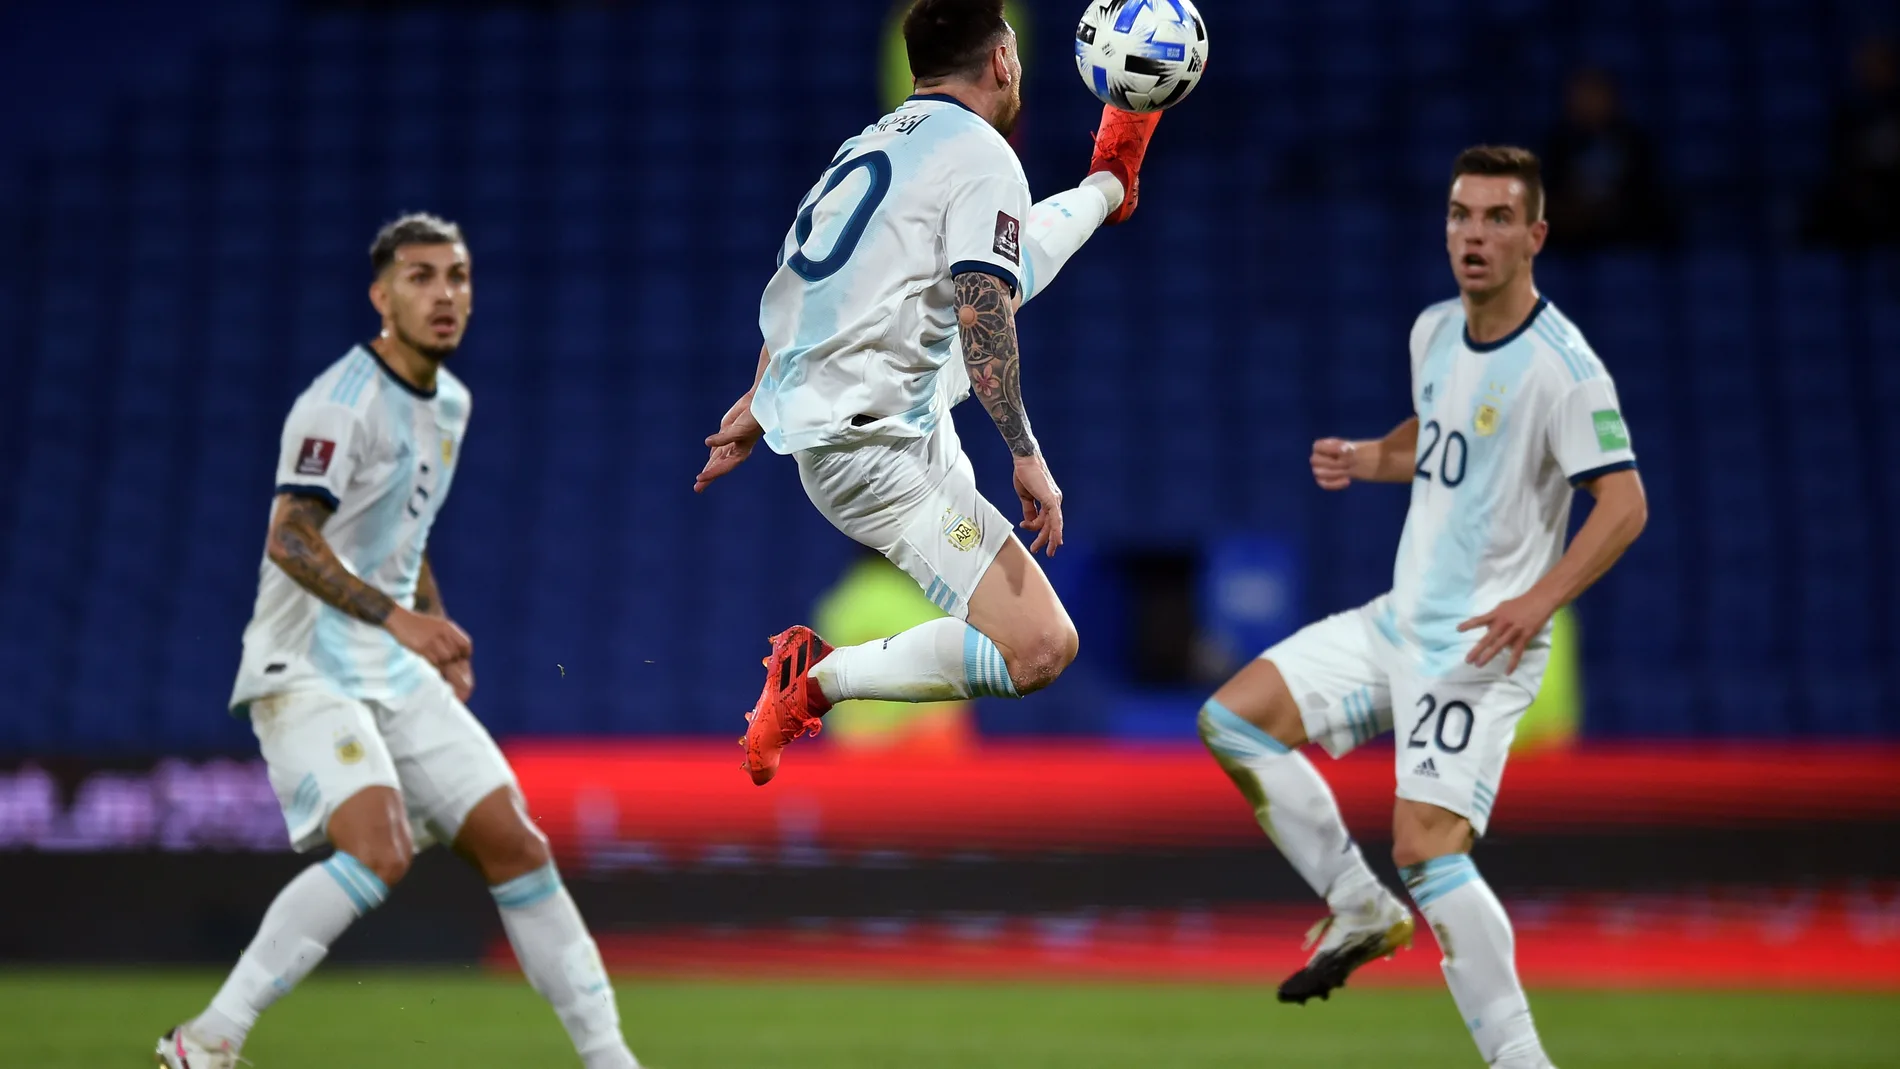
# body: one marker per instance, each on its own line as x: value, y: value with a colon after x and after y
x: 182, y: 266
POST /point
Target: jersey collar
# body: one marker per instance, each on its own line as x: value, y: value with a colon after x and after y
x: 426, y: 395
x: 940, y: 98
x: 1494, y: 346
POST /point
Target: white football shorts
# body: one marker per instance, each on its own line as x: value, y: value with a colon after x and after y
x: 1354, y: 681
x: 915, y: 501
x: 322, y: 748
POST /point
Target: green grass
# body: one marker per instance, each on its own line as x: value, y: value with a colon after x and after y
x: 386, y: 1020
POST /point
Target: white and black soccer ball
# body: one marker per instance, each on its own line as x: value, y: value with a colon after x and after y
x: 1141, y: 55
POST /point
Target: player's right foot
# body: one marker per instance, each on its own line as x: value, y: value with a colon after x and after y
x: 1121, y: 141
x: 1344, y: 944
x: 178, y: 1049
x: 790, y: 704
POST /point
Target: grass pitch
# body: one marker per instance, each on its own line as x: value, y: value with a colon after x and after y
x: 387, y: 1020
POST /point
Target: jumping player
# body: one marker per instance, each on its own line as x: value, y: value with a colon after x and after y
x: 1512, y: 409
x: 919, y: 241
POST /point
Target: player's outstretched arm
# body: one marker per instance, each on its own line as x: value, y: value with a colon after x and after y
x: 986, y: 318
x: 1619, y: 515
x: 1338, y: 463
x: 738, y: 432
x: 296, y: 544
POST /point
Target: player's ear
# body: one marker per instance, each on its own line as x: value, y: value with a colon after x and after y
x: 1540, y: 230
x: 379, y: 297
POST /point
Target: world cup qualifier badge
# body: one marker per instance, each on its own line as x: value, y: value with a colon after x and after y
x: 1009, y: 238
x: 314, y: 456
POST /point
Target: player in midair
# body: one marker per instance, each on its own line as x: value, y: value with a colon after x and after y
x: 1512, y: 409
x: 918, y: 239
x: 353, y: 676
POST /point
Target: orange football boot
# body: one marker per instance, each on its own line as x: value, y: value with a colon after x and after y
x: 1120, y: 143
x: 790, y: 704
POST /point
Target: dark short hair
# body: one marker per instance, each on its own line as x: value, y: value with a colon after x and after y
x: 951, y: 37
x: 1507, y: 160
x: 415, y: 228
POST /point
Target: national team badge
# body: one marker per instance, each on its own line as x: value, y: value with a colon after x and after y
x: 1486, y: 421
x: 448, y: 450
x: 961, y: 531
x: 315, y: 455
x: 348, y: 750
x: 1009, y: 238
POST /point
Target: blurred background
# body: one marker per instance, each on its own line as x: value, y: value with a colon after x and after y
x: 187, y: 193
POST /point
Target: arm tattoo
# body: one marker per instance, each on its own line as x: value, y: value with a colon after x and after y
x: 428, y: 595
x: 297, y: 546
x: 989, y: 351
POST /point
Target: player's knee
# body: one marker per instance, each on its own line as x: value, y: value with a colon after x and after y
x: 388, y: 857
x: 1037, y: 662
x: 517, y: 854
x: 1427, y: 832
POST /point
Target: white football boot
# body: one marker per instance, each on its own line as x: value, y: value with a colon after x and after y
x: 179, y: 1049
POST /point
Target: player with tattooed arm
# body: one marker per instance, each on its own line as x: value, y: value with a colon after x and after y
x: 354, y: 677
x: 917, y: 241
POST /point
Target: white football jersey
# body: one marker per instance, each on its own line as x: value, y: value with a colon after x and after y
x: 859, y: 320
x: 1506, y: 429
x: 382, y: 454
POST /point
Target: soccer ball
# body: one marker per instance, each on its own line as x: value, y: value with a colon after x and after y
x: 1141, y: 55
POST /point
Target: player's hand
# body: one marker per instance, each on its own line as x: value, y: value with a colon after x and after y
x: 1042, y: 503
x: 438, y: 640
x: 1333, y: 463
x: 1510, y: 626
x: 738, y: 433
x: 461, y: 677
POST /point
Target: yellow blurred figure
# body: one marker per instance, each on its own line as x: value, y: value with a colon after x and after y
x: 873, y: 600
x: 1552, y: 720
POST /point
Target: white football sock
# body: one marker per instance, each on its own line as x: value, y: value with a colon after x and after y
x: 1480, y: 959
x: 562, y: 962
x: 1061, y: 225
x: 940, y: 660
x: 306, y: 917
x: 1295, y: 808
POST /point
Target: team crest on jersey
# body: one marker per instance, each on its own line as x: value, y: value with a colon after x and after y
x: 961, y: 531
x: 348, y: 750
x: 1009, y: 238
x: 1489, y: 411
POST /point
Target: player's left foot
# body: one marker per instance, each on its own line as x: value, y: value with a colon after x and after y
x: 1120, y: 143
x: 790, y: 704
x: 179, y: 1049
x: 1344, y: 944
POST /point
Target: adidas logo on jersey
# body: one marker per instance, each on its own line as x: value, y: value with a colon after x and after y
x: 1426, y: 768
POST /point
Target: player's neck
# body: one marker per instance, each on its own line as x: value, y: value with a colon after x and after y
x: 1491, y: 316
x: 980, y: 101
x: 409, y: 365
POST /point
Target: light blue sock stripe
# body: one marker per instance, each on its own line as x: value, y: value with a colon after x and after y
x: 349, y: 889
x: 524, y: 891
x: 365, y: 889
x: 1438, y: 877
x: 370, y: 884
x: 1235, y: 737
x: 985, y: 672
